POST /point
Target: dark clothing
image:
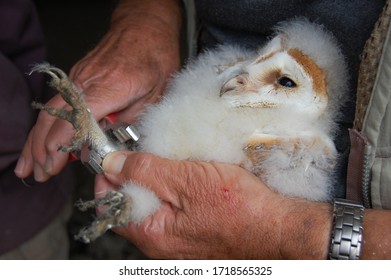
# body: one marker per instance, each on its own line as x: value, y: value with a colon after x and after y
x: 249, y: 23
x: 24, y: 210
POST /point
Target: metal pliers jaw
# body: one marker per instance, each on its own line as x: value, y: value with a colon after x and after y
x: 121, y: 137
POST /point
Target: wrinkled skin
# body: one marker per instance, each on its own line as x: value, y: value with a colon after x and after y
x: 209, y: 210
x: 120, y: 76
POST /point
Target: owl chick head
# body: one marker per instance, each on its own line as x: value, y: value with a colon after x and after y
x: 301, y: 69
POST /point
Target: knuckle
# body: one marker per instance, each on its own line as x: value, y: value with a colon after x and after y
x: 51, y: 147
x: 38, y: 154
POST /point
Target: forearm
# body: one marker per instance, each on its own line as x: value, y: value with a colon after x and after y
x: 376, y: 234
x: 306, y: 230
x: 288, y: 228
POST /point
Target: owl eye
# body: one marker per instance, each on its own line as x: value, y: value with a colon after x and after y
x: 286, y: 82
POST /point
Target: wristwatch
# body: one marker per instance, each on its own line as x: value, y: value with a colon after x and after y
x: 347, y: 234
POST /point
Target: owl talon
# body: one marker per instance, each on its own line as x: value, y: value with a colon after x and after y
x: 117, y: 214
x: 117, y: 205
x: 79, y: 116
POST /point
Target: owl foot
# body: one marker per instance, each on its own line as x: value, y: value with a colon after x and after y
x: 79, y: 116
x: 118, y: 207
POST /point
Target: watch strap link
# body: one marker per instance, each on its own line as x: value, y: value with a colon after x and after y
x: 347, y: 233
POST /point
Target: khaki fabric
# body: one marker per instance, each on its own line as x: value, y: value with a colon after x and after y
x: 377, y: 128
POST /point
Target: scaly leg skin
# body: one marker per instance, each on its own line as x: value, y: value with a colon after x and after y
x: 86, y: 127
x: 117, y: 214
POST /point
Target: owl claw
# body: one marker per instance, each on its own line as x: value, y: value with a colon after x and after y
x: 79, y: 116
x: 118, y: 205
x: 117, y: 214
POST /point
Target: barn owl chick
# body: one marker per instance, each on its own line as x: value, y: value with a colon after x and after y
x: 272, y: 112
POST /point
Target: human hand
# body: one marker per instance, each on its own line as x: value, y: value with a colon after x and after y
x: 128, y: 68
x: 214, y: 210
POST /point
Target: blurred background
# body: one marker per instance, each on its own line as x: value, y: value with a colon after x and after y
x: 73, y: 27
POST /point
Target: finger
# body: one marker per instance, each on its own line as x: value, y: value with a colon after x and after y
x: 154, y: 235
x: 149, y: 234
x: 24, y: 166
x: 59, y: 135
x: 101, y: 83
x: 103, y: 186
x: 31, y: 160
x: 127, y: 93
x: 131, y: 113
x: 43, y: 145
x: 97, y: 98
x: 49, y: 134
x: 161, y: 175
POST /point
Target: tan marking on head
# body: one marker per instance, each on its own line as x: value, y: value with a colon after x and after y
x: 265, y: 57
x: 270, y: 77
x: 312, y: 69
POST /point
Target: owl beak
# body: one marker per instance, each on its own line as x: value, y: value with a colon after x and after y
x: 230, y: 85
x: 235, y: 84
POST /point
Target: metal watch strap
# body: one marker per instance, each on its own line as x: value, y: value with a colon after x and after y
x: 346, y: 238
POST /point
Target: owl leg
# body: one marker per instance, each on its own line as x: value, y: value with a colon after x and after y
x: 304, y: 150
x: 86, y: 128
x: 301, y: 165
x: 118, y: 205
x: 117, y: 212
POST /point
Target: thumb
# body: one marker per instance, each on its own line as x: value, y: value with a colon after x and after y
x: 113, y: 165
x: 147, y: 170
x: 123, y: 166
x: 114, y: 162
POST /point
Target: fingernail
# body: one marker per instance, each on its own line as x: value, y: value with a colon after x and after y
x: 48, y: 165
x: 113, y: 163
x: 39, y: 174
x: 19, y: 166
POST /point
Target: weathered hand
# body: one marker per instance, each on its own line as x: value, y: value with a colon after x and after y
x: 120, y: 75
x: 213, y: 210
